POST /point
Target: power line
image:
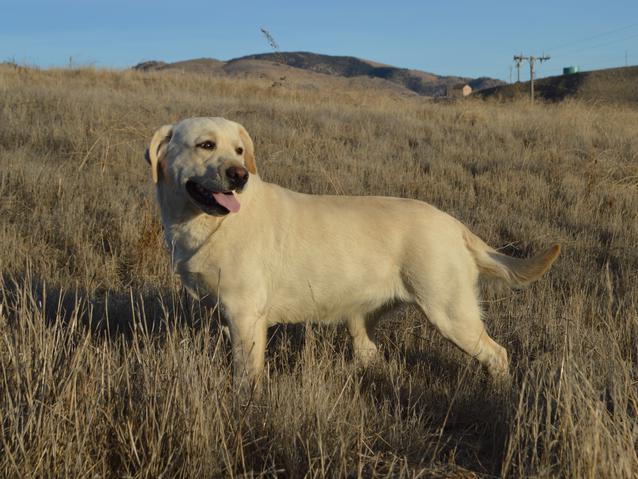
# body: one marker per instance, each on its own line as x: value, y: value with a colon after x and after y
x: 592, y: 37
x: 605, y: 44
x: 587, y: 53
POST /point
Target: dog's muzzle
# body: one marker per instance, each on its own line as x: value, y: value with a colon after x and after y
x: 237, y: 177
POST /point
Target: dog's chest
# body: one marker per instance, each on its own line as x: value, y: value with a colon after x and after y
x: 187, y: 246
x: 187, y: 239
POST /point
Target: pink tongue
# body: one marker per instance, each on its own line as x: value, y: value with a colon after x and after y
x: 228, y: 201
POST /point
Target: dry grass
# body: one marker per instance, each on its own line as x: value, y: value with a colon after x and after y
x: 108, y: 369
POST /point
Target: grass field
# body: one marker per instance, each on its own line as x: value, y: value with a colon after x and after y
x: 107, y: 369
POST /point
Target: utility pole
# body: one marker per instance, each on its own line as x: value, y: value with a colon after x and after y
x: 518, y: 60
x: 532, y: 60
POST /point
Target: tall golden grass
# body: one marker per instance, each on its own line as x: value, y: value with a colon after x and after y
x: 108, y: 369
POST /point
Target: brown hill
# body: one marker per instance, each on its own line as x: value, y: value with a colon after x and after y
x: 614, y: 85
x: 280, y: 74
x: 420, y: 82
x: 315, y: 70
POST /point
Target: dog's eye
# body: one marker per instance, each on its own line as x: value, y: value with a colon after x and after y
x: 239, y: 150
x: 206, y: 145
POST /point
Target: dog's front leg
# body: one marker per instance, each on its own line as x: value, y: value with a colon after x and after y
x: 248, y: 335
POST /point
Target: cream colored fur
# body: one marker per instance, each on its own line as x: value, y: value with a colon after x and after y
x: 292, y: 257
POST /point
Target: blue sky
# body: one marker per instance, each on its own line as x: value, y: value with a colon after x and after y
x: 443, y: 37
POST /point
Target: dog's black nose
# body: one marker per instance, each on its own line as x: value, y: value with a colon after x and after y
x: 238, y: 176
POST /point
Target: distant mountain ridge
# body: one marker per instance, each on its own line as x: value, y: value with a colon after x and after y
x: 328, y: 64
x: 419, y: 82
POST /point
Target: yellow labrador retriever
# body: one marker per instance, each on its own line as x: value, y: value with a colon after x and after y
x: 270, y: 255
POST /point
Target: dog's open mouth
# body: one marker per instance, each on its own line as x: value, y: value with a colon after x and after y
x: 213, y: 202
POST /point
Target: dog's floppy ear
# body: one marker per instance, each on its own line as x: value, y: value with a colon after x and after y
x: 157, y: 148
x: 249, y: 149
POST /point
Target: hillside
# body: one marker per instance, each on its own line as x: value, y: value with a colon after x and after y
x: 420, y: 82
x: 614, y: 85
x: 316, y: 69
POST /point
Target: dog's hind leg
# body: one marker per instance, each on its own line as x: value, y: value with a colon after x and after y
x: 364, y: 348
x: 461, y: 323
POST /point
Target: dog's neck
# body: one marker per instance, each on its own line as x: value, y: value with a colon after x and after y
x: 187, y: 229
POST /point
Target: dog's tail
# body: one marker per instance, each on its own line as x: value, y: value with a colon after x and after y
x: 515, y: 271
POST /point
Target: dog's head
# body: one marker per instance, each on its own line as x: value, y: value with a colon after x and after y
x: 202, y: 164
